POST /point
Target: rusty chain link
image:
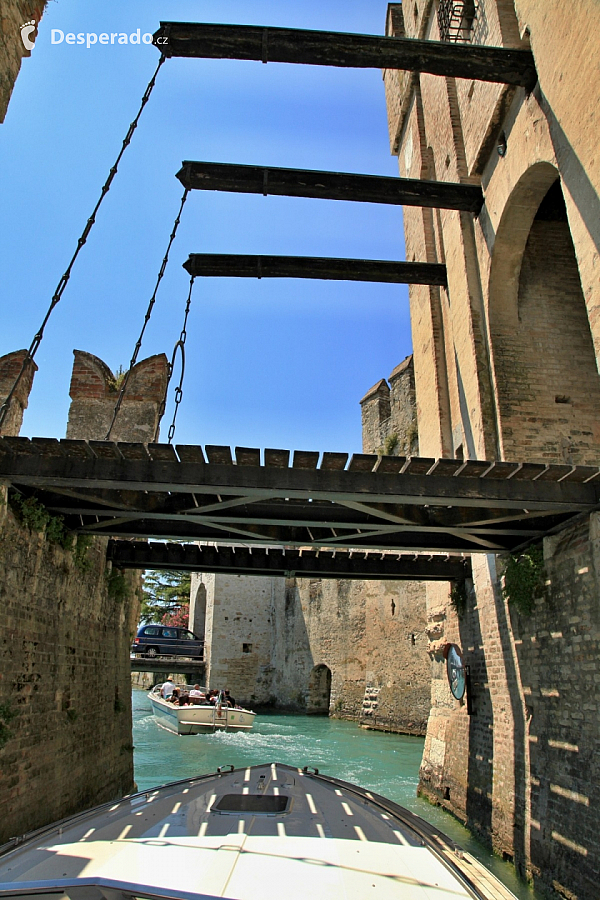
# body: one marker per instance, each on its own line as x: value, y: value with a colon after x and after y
x: 62, y: 284
x: 180, y: 345
x: 147, y: 316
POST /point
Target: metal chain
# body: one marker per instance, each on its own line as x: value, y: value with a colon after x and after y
x: 138, y: 345
x: 62, y: 284
x: 180, y: 345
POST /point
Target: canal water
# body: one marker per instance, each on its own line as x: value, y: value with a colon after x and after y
x: 385, y: 763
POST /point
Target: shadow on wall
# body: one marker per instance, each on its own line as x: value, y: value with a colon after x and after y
x: 479, y: 777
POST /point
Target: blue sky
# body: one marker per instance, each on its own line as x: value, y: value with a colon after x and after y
x: 270, y: 363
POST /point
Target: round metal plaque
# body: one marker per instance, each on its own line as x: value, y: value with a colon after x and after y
x: 456, y: 673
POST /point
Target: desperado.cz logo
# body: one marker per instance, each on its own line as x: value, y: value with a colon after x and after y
x: 87, y: 39
x: 90, y: 38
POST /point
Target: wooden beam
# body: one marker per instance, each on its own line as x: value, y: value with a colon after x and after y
x: 229, y: 265
x: 281, y: 563
x: 207, y: 176
x: 327, y: 48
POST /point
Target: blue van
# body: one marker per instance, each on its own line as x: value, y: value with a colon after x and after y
x: 162, y: 640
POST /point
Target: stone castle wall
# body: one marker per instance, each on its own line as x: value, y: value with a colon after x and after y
x: 506, y: 367
x: 240, y: 615
x: 68, y: 622
x: 389, y: 414
x: 65, y: 695
x: 14, y: 14
x: 371, y: 636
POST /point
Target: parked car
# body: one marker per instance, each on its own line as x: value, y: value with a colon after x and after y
x: 160, y: 640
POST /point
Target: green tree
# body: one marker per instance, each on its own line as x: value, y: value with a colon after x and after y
x: 165, y: 596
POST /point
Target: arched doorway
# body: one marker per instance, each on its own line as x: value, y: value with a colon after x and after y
x: 319, y: 691
x: 197, y: 622
x: 546, y: 376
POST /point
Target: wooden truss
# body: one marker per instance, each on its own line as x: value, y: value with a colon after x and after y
x: 306, y: 499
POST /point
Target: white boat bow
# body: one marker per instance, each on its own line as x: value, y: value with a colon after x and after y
x: 260, y: 833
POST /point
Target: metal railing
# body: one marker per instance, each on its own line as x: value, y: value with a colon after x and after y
x: 455, y: 20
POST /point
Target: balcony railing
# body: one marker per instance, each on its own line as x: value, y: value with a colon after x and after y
x: 456, y: 19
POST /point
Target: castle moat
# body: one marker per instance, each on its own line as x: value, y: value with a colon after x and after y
x: 385, y: 763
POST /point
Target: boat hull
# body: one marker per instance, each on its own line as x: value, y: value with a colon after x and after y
x: 199, y: 719
x: 264, y: 831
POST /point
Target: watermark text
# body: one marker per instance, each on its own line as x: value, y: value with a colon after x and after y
x: 88, y: 39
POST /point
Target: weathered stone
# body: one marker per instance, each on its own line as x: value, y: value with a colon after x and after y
x: 68, y: 624
x: 14, y: 14
x: 10, y: 369
x: 506, y: 366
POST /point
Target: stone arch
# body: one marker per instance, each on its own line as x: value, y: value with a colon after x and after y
x: 547, y: 383
x: 198, y: 596
x: 319, y: 691
x: 511, y: 239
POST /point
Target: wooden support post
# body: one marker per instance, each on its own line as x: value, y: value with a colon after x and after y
x: 327, y: 48
x: 228, y: 265
x: 207, y: 176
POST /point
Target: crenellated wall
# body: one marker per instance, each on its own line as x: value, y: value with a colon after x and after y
x: 67, y: 624
x: 389, y: 414
x: 94, y: 391
x: 10, y: 368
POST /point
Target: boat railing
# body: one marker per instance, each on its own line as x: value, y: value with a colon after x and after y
x: 93, y: 889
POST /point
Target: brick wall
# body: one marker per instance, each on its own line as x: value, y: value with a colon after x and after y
x: 10, y: 367
x: 558, y: 655
x: 94, y: 392
x: 548, y: 383
x: 517, y: 330
x: 14, y: 14
x: 65, y: 680
x: 65, y: 676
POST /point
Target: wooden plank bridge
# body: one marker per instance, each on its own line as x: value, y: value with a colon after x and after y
x: 300, y: 500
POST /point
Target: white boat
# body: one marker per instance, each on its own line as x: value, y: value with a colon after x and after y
x: 262, y: 833
x: 204, y: 719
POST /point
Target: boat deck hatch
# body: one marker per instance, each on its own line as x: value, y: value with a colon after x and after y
x: 252, y: 803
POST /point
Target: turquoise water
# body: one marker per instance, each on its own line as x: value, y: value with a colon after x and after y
x: 385, y: 763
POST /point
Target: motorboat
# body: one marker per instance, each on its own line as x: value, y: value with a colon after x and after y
x: 204, y: 718
x: 259, y: 833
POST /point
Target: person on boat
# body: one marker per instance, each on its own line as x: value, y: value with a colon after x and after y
x: 184, y: 698
x: 167, y: 689
x: 196, y: 695
x: 174, y: 698
x: 229, y: 700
